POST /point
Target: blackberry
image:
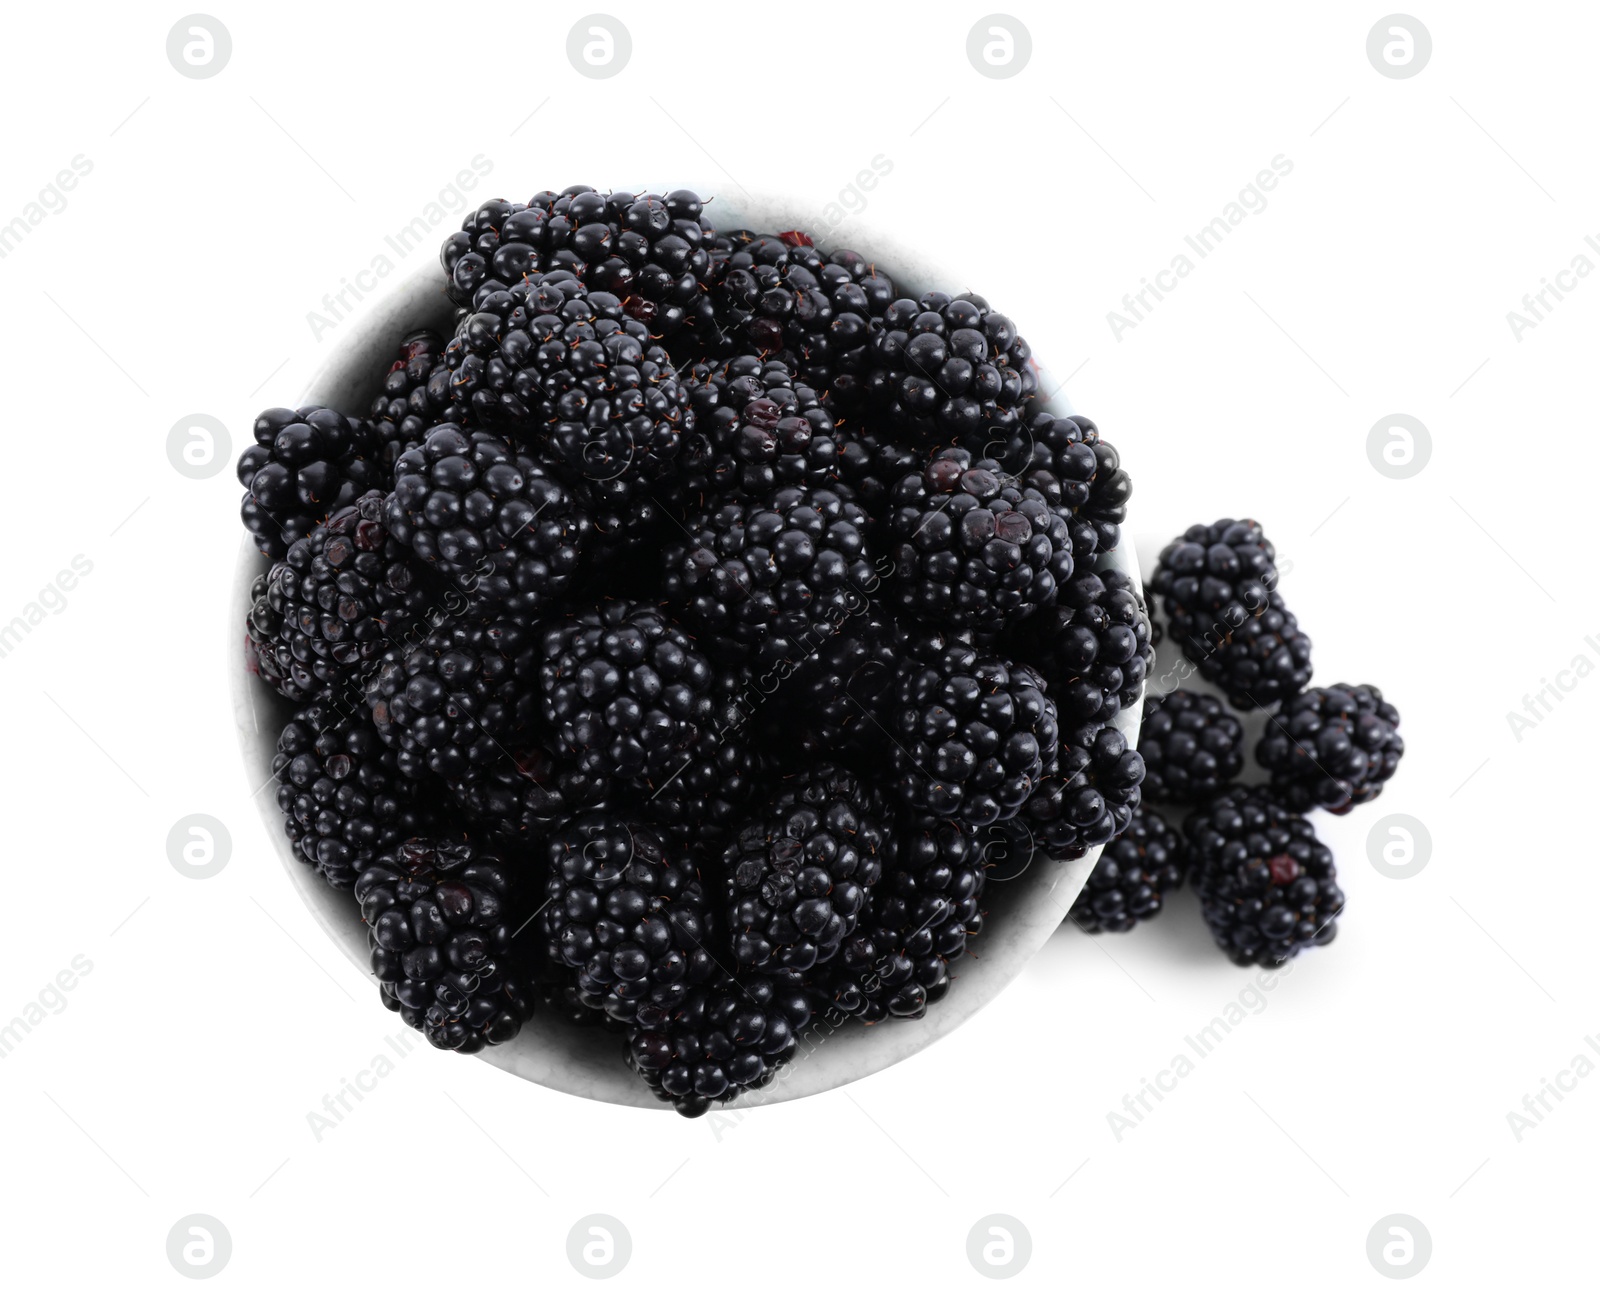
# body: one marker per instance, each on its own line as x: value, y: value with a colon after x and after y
x: 971, y: 547
x: 1145, y: 861
x: 488, y: 519
x: 464, y: 698
x: 628, y: 695
x: 1332, y: 747
x: 872, y: 460
x: 306, y: 463
x: 1093, y: 648
x: 1087, y: 798
x: 625, y: 910
x: 942, y: 367
x: 834, y: 703
x: 649, y: 250
x: 1070, y: 455
x: 343, y: 797
x: 972, y: 734
x: 405, y: 406
x: 1266, y: 884
x: 524, y: 791
x: 440, y: 923
x: 798, y: 873
x: 1192, y: 747
x: 729, y: 1036
x: 768, y: 580
x: 340, y: 598
x: 563, y: 371
x: 916, y: 921
x: 1218, y: 586
x: 757, y: 428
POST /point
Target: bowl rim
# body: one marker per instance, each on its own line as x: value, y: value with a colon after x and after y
x: 588, y: 1062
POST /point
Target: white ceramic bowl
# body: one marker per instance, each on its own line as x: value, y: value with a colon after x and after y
x: 1022, y: 912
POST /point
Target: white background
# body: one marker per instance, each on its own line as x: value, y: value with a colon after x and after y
x: 1378, y: 1077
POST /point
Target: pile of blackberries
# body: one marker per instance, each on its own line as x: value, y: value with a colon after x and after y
x: 669, y: 645
x: 1266, y: 884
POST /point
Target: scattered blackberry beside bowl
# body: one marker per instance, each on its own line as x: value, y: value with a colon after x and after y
x: 649, y: 672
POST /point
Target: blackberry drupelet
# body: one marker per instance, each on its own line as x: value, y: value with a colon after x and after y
x: 973, y: 734
x: 343, y: 797
x: 1267, y: 885
x: 770, y: 579
x: 1192, y: 746
x: 728, y: 1037
x: 625, y: 910
x: 493, y: 523
x: 971, y: 547
x: 1332, y: 747
x: 628, y: 695
x: 797, y: 874
x: 440, y: 923
x: 305, y: 464
x: 1218, y: 589
x: 321, y: 618
x: 464, y: 698
x: 650, y: 250
x: 1087, y: 798
x: 1146, y: 861
x: 1093, y: 648
x: 942, y: 367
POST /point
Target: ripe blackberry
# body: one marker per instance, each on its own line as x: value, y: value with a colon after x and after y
x: 1146, y: 861
x: 563, y: 371
x: 797, y: 874
x: 1087, y: 798
x: 1218, y: 586
x: 942, y: 367
x: 628, y: 695
x: 872, y: 460
x: 1093, y: 648
x: 769, y: 579
x: 440, y: 923
x: 648, y: 249
x: 971, y: 547
x: 464, y: 698
x: 306, y: 463
x: 972, y: 734
x: 1267, y: 885
x: 338, y: 600
x: 728, y: 1037
x: 1071, y: 457
x: 488, y: 519
x: 1332, y: 747
x: 405, y: 406
x: 916, y: 921
x: 1192, y: 747
x: 624, y: 909
x: 525, y: 791
x: 834, y: 703
x: 757, y: 428
x: 343, y: 797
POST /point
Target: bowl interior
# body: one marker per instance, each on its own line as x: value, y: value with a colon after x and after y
x: 1023, y: 911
